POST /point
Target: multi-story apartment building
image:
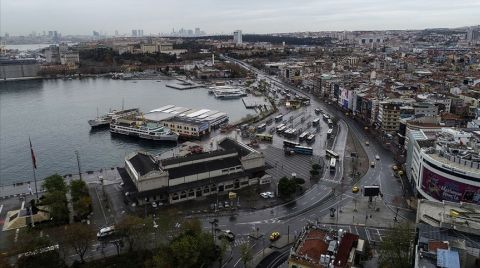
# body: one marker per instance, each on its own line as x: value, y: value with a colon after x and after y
x: 444, y: 164
x: 388, y: 116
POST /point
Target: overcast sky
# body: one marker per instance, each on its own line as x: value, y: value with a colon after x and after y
x: 216, y: 16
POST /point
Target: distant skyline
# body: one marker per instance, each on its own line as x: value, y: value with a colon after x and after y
x: 21, y: 17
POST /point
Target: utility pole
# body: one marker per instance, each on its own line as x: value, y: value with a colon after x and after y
x: 78, y: 164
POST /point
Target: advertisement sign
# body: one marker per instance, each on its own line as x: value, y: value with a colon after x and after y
x: 442, y: 188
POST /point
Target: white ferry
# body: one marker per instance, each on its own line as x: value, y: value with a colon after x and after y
x: 143, y: 130
x: 227, y: 92
x: 105, y: 120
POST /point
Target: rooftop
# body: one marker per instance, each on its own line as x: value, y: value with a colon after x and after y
x: 143, y: 163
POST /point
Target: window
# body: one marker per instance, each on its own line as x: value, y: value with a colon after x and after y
x: 228, y: 186
x: 191, y: 193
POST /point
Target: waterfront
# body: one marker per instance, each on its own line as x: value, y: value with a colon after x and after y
x: 55, y: 114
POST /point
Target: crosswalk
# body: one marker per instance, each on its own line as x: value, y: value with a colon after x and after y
x: 372, y: 234
x: 240, y: 240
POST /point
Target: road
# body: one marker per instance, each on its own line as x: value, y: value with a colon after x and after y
x: 316, y: 202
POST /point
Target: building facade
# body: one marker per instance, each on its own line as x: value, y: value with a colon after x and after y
x: 444, y: 164
x: 231, y: 167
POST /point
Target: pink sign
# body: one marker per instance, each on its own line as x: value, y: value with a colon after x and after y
x: 442, y: 188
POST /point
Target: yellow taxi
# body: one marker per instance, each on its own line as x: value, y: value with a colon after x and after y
x: 274, y: 236
x: 355, y: 189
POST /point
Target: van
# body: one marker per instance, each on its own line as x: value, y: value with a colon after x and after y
x: 106, y: 231
x: 372, y: 164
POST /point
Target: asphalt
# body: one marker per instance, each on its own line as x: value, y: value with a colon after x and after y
x: 316, y: 203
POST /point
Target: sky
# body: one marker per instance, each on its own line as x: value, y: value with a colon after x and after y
x: 21, y: 17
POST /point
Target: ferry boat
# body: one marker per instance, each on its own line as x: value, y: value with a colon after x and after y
x: 227, y: 92
x: 105, y: 120
x: 143, y: 130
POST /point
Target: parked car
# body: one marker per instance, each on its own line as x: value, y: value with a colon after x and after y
x: 270, y: 194
x: 377, y: 157
x: 274, y: 236
x: 227, y: 204
x: 264, y: 195
x: 154, y: 204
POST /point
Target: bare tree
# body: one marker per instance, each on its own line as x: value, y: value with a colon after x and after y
x: 80, y: 238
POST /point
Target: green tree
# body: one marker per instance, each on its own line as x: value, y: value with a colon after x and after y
x: 79, y: 237
x: 245, y: 254
x: 396, y: 247
x: 78, y: 189
x: 286, y: 187
x: 57, y: 203
x: 54, y: 183
x: 222, y: 250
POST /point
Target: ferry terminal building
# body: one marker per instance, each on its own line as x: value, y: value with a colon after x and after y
x: 232, y: 166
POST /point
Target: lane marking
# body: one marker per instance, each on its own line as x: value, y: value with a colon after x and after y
x: 1, y: 208
x: 23, y: 205
x: 16, y: 235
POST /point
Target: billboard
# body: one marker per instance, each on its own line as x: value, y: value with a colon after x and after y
x: 441, y: 188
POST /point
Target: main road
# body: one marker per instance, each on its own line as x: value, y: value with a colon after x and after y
x: 317, y: 201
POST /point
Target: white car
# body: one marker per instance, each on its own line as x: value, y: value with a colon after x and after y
x: 264, y: 195
x: 377, y: 157
x: 106, y: 231
x: 270, y: 194
x: 154, y: 204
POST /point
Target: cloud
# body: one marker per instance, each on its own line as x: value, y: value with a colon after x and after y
x: 260, y: 16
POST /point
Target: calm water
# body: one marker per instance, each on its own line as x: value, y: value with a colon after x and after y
x: 27, y: 46
x: 55, y: 113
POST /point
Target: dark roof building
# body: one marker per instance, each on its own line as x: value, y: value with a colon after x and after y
x: 233, y: 166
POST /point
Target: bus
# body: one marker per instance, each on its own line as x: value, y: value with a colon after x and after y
x: 329, y: 133
x: 303, y: 150
x: 330, y: 122
x: 311, y: 138
x: 289, y: 144
x: 316, y: 122
x: 303, y: 136
x: 278, y: 118
x: 331, y: 154
x: 261, y: 128
x: 264, y: 137
x: 280, y: 128
x: 333, y: 163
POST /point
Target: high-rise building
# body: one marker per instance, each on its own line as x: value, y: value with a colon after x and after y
x: 134, y: 33
x: 116, y: 32
x: 197, y: 31
x: 237, y: 37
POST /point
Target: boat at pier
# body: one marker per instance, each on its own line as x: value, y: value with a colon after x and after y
x: 143, y: 130
x: 227, y: 92
x: 105, y: 120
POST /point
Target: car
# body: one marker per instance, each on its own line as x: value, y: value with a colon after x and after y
x: 367, y: 143
x: 227, y: 204
x: 220, y: 205
x: 264, y: 195
x: 122, y: 184
x: 355, y: 189
x: 274, y: 236
x: 228, y: 235
x: 270, y: 194
x: 372, y: 164
x: 154, y: 204
x: 106, y: 231
x: 377, y: 157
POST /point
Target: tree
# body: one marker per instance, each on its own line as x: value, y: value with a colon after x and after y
x: 78, y: 189
x: 134, y: 230
x: 246, y: 254
x: 30, y: 241
x: 79, y: 237
x: 396, y: 246
x: 221, y: 251
x: 57, y: 203
x: 286, y: 187
x: 54, y: 183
